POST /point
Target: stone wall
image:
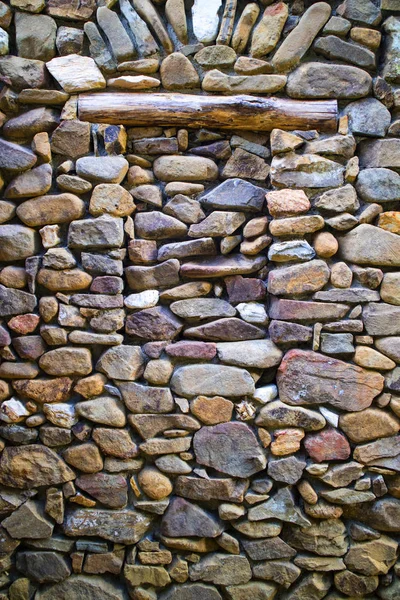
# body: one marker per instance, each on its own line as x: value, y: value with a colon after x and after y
x: 200, y: 328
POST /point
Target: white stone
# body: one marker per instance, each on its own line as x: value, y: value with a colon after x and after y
x: 13, y: 411
x: 205, y: 19
x: 4, y: 45
x: 50, y: 235
x: 330, y: 416
x: 61, y: 414
x: 265, y: 394
x: 76, y: 73
x: 253, y: 312
x: 146, y: 299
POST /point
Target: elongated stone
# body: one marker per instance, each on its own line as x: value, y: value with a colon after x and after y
x: 206, y: 20
x: 221, y: 266
x: 311, y: 378
x: 299, y: 279
x: 301, y: 37
x: 194, y: 488
x: 325, y: 80
x: 49, y: 210
x: 118, y: 526
x: 259, y: 354
x: 211, y: 380
x: 277, y: 414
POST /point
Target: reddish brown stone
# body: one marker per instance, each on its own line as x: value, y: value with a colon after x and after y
x: 24, y: 324
x: 107, y: 285
x: 310, y: 378
x: 226, y: 330
x: 110, y: 490
x: 153, y: 324
x: 244, y: 289
x: 44, y: 390
x: 328, y: 444
x: 192, y: 350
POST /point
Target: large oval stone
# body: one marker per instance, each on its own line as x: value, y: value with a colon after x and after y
x: 49, y: 210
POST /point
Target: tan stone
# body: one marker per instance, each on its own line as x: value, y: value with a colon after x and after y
x: 325, y: 244
x: 268, y: 31
x: 369, y: 424
x: 91, y: 386
x: 64, y: 281
x: 112, y: 199
x: 67, y: 361
x: 390, y: 288
x: 212, y: 411
x: 155, y: 484
x: 372, y: 359
x: 286, y: 441
x: 177, y: 72
x: 296, y: 225
x: 390, y: 221
x: 85, y: 457
x: 49, y: 210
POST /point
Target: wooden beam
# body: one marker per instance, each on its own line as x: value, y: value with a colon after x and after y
x: 220, y: 112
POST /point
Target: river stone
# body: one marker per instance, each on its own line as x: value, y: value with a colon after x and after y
x: 31, y: 183
x: 178, y: 73
x: 230, y: 329
x: 390, y: 346
x: 202, y: 308
x: 380, y: 153
x: 185, y: 168
x: 235, y: 194
x: 102, y: 169
x: 292, y: 250
x: 76, y: 73
x: 101, y: 232
x: 258, y: 354
x: 122, y: 362
x: 198, y: 247
x: 369, y: 245
x: 156, y: 225
x: 82, y: 587
x: 17, y: 242
x: 191, y: 591
x: 324, y: 80
x: 146, y: 399
x: 280, y: 506
x: 381, y: 319
x: 28, y: 521
x: 307, y: 170
x: 32, y: 466
x: 23, y: 72
x: 218, y: 224
x: 230, y: 448
x: 368, y: 117
x: 50, y: 210
x: 298, y: 279
x: 310, y: 378
x: 15, y: 158
x: 216, y: 81
x: 105, y: 410
x: 67, y: 361
x: 149, y: 278
x: 212, y: 380
x: 277, y: 414
x: 184, y: 519
x: 334, y: 48
x: 222, y: 266
x: 149, y: 426
x: 28, y: 124
x: 15, y: 302
x: 153, y: 324
x: 118, y: 526
x: 205, y: 19
x: 222, y: 569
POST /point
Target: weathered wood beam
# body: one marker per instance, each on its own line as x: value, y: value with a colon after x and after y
x: 219, y: 112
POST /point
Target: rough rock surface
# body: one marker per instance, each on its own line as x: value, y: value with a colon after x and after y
x: 199, y: 324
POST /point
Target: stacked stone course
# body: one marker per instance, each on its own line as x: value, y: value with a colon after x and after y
x: 199, y: 326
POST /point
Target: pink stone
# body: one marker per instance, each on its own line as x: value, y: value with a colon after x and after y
x: 196, y: 350
x: 328, y: 444
x: 24, y: 324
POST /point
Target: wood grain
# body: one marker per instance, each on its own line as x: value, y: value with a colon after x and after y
x: 220, y: 112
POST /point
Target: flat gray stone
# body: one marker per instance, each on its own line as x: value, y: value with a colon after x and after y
x: 235, y: 194
x: 325, y: 80
x: 368, y: 117
x: 212, y: 380
x: 378, y: 185
x: 369, y: 245
x: 230, y: 448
